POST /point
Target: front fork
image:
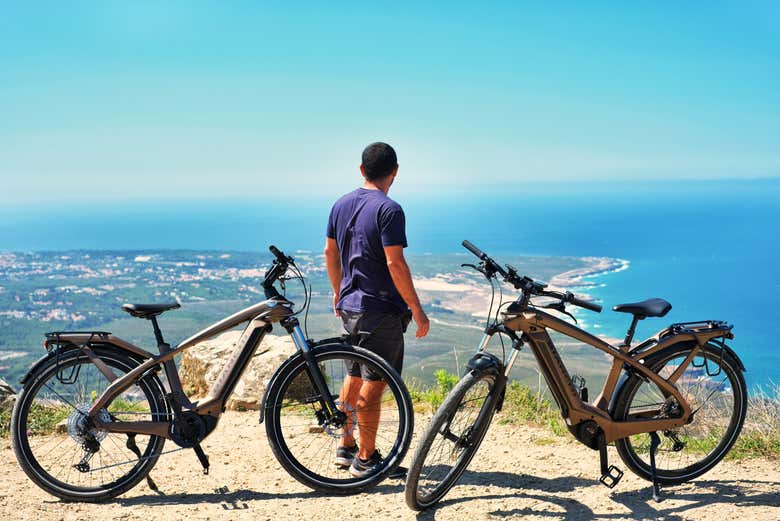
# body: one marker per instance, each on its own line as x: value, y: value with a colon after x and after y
x: 326, y: 400
x: 517, y: 343
x: 482, y: 361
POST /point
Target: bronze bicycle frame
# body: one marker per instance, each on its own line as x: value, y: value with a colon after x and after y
x: 259, y: 316
x: 533, y: 323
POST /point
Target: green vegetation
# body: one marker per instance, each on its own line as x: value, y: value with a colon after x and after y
x: 429, y: 398
x: 42, y: 419
x: 523, y: 405
x: 120, y: 405
x: 5, y: 421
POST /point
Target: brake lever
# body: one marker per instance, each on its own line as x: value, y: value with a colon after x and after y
x: 481, y: 268
x: 560, y: 307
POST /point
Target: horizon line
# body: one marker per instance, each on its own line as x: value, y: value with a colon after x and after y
x: 401, y: 190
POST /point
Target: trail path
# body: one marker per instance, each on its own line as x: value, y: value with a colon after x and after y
x: 516, y: 474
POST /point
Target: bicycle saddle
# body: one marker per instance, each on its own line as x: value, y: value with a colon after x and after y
x: 653, y: 307
x: 149, y: 310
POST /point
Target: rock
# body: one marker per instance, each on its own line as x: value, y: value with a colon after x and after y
x: 7, y: 395
x: 202, y: 364
x: 62, y: 427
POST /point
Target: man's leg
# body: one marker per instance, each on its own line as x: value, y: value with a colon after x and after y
x: 387, y: 341
x: 369, y: 409
x: 350, y: 390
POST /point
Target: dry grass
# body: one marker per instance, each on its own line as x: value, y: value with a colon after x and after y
x: 761, y: 434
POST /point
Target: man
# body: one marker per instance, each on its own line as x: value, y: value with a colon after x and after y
x: 373, y: 293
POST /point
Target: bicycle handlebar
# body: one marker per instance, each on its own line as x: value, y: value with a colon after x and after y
x: 526, y: 284
x: 490, y: 264
x: 585, y: 304
x: 278, y: 269
x: 571, y: 298
x: 473, y: 249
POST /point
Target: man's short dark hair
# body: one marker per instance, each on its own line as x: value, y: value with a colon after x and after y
x: 379, y: 160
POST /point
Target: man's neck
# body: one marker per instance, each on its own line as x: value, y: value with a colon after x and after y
x: 382, y: 187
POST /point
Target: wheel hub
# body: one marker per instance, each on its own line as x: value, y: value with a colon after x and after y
x: 335, y: 427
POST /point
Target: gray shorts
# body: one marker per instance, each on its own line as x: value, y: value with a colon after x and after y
x: 380, y: 333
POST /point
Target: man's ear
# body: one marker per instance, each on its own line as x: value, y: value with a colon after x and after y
x: 362, y: 171
x: 395, y: 171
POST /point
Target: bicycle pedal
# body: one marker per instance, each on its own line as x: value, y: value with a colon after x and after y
x: 612, y: 477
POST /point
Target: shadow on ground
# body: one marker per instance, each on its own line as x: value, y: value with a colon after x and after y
x: 236, y: 499
x: 542, y: 491
x: 743, y: 493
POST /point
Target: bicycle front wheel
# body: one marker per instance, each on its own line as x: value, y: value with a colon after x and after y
x: 451, y: 439
x: 298, y: 428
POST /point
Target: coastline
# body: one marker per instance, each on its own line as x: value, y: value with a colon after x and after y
x: 467, y: 292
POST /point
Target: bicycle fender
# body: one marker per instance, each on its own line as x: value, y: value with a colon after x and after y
x: 625, y: 375
x: 485, y: 362
x: 64, y: 348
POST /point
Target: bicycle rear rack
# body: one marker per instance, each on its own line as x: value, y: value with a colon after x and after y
x: 701, y: 326
x: 707, y: 327
x: 54, y: 341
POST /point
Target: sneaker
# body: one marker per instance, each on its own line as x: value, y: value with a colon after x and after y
x: 361, y: 468
x: 345, y: 456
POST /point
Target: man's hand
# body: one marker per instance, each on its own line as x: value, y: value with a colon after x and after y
x: 335, y: 303
x: 421, y: 319
x: 402, y: 278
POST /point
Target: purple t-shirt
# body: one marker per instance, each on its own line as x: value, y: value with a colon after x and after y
x: 362, y: 223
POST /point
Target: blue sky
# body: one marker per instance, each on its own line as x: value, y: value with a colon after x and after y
x: 233, y: 99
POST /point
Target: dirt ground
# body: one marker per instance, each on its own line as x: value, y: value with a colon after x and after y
x: 512, y: 476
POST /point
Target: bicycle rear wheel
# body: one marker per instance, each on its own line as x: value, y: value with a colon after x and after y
x: 298, y: 430
x: 451, y: 439
x: 57, y: 445
x: 714, y: 387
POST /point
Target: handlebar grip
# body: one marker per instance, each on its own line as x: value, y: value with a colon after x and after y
x: 585, y: 304
x: 276, y: 253
x: 473, y: 249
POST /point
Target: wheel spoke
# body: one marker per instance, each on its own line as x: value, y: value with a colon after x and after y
x: 717, y: 411
x: 442, y: 449
x: 56, y: 430
x: 305, y: 437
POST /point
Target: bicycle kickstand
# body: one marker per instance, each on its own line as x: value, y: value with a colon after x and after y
x: 655, y: 441
x: 204, y: 460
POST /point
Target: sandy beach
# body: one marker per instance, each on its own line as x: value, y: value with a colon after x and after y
x: 467, y: 291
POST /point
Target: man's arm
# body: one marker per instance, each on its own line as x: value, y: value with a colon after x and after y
x: 333, y: 263
x: 402, y: 278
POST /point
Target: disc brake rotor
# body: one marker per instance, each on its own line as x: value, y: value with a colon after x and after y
x: 339, y: 431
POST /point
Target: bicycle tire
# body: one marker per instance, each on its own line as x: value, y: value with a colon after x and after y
x: 293, y: 372
x: 444, y: 418
x: 22, y: 431
x: 629, y: 448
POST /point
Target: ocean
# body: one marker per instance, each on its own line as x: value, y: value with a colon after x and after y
x: 709, y: 247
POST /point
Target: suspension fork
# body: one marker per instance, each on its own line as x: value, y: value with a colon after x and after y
x: 312, y: 369
x: 501, y: 368
x: 517, y: 343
